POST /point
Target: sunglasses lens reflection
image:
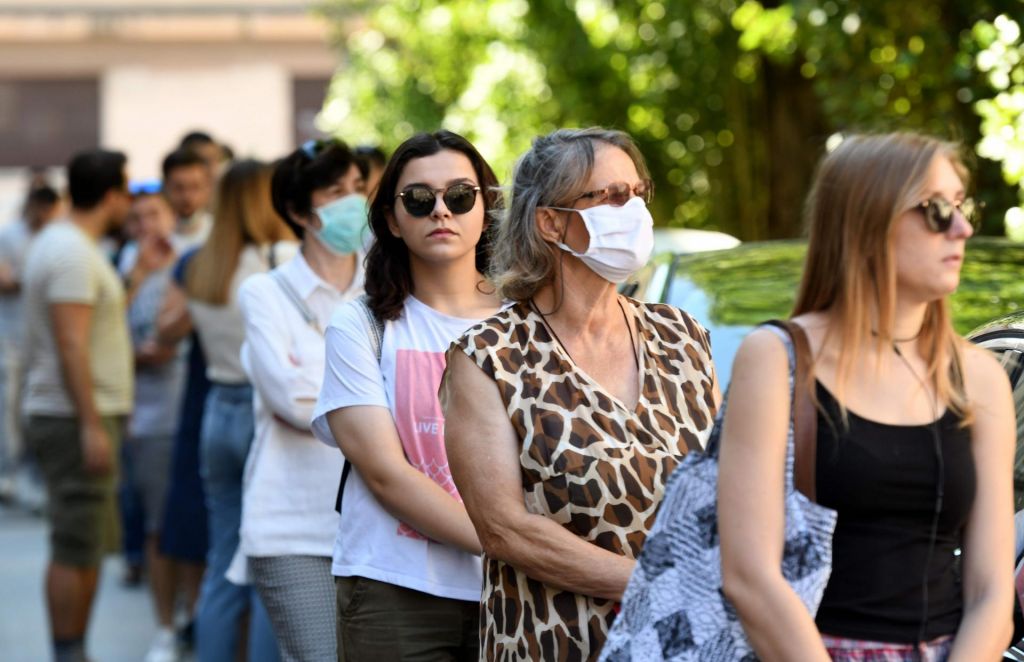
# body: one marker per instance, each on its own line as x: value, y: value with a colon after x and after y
x: 419, y: 201
x: 619, y: 193
x: 940, y: 214
x: 460, y: 198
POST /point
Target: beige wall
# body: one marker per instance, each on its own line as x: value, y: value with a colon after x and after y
x: 146, y: 109
x: 169, y: 66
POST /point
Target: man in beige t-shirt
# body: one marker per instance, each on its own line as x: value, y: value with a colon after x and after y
x: 78, y: 387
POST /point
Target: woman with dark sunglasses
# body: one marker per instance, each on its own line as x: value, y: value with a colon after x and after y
x: 915, y: 428
x: 406, y: 556
x: 579, y: 402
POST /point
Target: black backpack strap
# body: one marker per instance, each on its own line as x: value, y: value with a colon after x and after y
x: 375, y: 330
x: 346, y: 469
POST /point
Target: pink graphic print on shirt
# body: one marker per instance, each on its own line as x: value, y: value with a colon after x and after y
x: 419, y: 419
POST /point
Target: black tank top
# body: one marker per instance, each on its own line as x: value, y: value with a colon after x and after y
x: 882, y: 480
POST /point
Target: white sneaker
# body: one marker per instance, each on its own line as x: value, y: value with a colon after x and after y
x: 164, y: 647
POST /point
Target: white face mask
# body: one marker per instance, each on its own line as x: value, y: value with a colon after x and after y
x: 621, y: 239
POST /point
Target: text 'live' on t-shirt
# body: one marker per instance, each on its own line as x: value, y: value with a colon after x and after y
x: 370, y: 542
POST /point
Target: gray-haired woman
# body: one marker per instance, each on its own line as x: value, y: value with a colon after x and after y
x: 578, y: 401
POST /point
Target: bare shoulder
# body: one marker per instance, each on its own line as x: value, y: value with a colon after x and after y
x: 984, y: 377
x: 465, y: 387
x: 461, y: 367
x: 762, y: 354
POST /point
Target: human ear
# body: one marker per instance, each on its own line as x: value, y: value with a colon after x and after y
x: 308, y: 221
x: 392, y: 224
x: 550, y: 225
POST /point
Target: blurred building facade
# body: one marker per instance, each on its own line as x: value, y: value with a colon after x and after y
x: 137, y: 75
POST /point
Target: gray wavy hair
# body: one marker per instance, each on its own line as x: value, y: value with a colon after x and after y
x: 553, y: 172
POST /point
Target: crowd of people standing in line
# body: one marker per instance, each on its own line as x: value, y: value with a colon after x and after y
x: 507, y: 421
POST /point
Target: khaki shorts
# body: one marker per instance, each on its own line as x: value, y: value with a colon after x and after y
x: 82, y: 507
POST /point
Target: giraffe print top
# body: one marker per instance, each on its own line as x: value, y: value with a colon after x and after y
x: 588, y: 462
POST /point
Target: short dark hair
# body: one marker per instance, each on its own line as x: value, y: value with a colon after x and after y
x: 183, y: 157
x: 314, y: 165
x: 92, y: 174
x: 193, y: 138
x: 367, y: 156
x: 388, y: 272
x: 44, y: 195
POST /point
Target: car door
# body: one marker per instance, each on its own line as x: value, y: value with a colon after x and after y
x: 1005, y: 338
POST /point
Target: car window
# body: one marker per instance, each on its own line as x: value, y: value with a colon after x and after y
x: 731, y: 291
x: 725, y: 338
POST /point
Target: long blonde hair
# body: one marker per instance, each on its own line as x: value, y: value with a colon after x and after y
x: 860, y: 190
x: 243, y: 216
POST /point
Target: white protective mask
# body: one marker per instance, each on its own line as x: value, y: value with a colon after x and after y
x: 621, y: 239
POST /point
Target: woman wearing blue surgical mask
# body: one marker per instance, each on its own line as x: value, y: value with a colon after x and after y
x: 288, y: 517
x: 579, y: 401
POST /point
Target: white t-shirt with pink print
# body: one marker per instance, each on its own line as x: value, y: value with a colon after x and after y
x: 370, y: 542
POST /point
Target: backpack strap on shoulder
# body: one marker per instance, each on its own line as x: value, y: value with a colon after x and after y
x: 375, y: 330
x: 374, y: 325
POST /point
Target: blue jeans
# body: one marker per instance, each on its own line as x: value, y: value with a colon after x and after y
x: 226, y: 435
x: 133, y: 519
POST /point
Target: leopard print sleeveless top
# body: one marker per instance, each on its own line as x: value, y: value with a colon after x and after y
x: 587, y: 461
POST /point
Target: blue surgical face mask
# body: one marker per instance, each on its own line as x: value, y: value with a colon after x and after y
x: 343, y: 223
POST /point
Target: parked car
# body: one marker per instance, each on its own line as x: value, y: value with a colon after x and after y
x: 1005, y: 337
x: 730, y: 291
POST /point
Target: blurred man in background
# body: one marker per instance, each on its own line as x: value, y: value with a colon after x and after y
x: 41, y: 205
x: 188, y: 186
x: 78, y: 388
x: 160, y: 372
x: 216, y: 155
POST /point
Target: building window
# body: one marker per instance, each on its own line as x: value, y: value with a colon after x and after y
x: 44, y: 122
x: 308, y: 95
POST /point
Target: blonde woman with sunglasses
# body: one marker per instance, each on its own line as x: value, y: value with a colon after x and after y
x: 578, y: 401
x: 915, y: 428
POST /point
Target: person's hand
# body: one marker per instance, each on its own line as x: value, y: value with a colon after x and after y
x: 97, y: 451
x: 151, y: 352
x: 7, y: 280
x: 155, y: 252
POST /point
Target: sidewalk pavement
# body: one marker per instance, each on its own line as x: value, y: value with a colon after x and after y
x: 122, y: 622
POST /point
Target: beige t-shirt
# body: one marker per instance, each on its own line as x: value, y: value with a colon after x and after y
x: 65, y: 265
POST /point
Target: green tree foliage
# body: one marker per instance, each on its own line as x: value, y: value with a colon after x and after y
x: 731, y: 102
x: 1001, y: 58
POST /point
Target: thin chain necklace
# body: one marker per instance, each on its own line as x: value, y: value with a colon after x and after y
x: 629, y: 327
x: 898, y: 340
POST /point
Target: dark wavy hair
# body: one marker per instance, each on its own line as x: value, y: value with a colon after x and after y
x: 388, y: 274
x: 316, y: 164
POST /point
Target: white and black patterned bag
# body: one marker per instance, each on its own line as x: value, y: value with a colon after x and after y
x: 674, y: 607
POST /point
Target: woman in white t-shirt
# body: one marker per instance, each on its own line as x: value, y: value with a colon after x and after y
x: 406, y: 556
x: 291, y: 480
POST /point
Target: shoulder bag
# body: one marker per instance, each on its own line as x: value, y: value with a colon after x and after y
x: 674, y: 607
